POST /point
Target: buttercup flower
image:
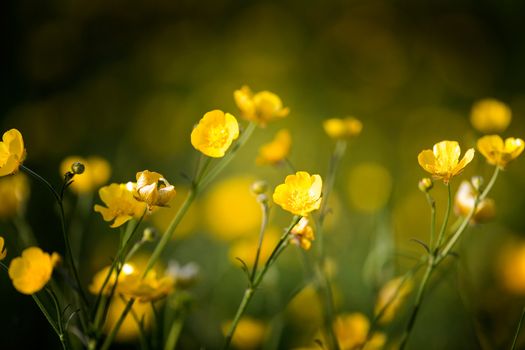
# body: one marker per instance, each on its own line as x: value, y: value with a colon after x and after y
x: 3, y: 251
x: 96, y: 173
x: 153, y: 189
x: 250, y: 333
x: 500, y: 153
x: 351, y: 331
x: 393, y: 294
x: 150, y: 288
x: 12, y: 152
x: 121, y: 205
x: 443, y: 161
x: 14, y: 191
x: 262, y: 107
x: 337, y: 128
x: 300, y: 194
x: 215, y: 133
x: 129, y: 329
x: 302, y: 234
x: 31, y: 271
x: 277, y: 150
x: 464, y: 202
x: 490, y: 116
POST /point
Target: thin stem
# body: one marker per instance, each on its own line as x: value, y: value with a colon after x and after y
x: 59, y: 317
x: 174, y: 332
x: 109, y: 339
x: 289, y: 164
x: 518, y: 329
x: 443, y: 230
x: 250, y: 291
x: 264, y: 223
x: 432, y: 204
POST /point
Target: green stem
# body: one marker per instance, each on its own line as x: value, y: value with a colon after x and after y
x: 432, y: 204
x: 443, y: 230
x: 518, y: 329
x: 250, y: 291
x: 109, y: 339
x: 264, y: 223
x: 59, y: 318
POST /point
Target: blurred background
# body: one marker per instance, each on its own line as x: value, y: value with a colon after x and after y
x: 127, y: 80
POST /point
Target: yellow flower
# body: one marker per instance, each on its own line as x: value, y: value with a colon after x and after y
x: 12, y: 152
x: 97, y: 172
x: 249, y: 335
x: 500, y: 153
x: 464, y: 202
x: 393, y: 294
x: 300, y: 194
x: 351, y: 331
x: 100, y: 277
x: 31, y: 271
x: 443, y: 161
x: 14, y: 191
x: 277, y: 150
x: 3, y: 251
x: 337, y: 128
x: 263, y: 107
x: 490, y: 116
x: 511, y: 267
x: 245, y: 249
x: 215, y: 133
x: 129, y: 330
x: 302, y: 234
x: 145, y: 289
x: 153, y: 189
x: 121, y: 205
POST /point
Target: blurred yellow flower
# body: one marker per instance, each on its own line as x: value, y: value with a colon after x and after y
x: 96, y: 173
x: 443, y: 161
x: 500, y: 153
x: 464, y: 202
x: 3, y: 251
x: 14, y: 191
x: 391, y: 297
x: 12, y: 152
x: 310, y: 318
x: 99, y: 278
x: 300, y: 194
x: 302, y: 234
x: 129, y: 330
x: 152, y: 287
x: 249, y: 335
x: 231, y: 210
x: 337, y: 128
x: 153, y: 189
x: 490, y: 116
x: 121, y: 205
x: 511, y: 267
x: 215, y: 133
x: 245, y: 249
x: 369, y: 186
x: 351, y: 331
x: 31, y: 271
x: 262, y: 107
x: 277, y: 150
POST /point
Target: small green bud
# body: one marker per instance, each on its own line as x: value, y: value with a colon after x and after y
x: 425, y: 184
x: 77, y: 168
x: 477, y: 182
x: 149, y: 234
x: 259, y: 187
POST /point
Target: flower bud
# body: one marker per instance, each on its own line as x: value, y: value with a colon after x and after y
x: 149, y: 235
x: 477, y: 182
x: 259, y: 187
x: 77, y: 168
x: 425, y: 184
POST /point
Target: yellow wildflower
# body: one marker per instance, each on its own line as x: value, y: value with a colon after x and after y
x: 121, y: 205
x: 262, y: 107
x: 14, y: 191
x: 215, y: 133
x: 443, y: 161
x: 277, y: 150
x: 145, y: 289
x: 464, y: 202
x: 153, y: 189
x: 96, y: 173
x: 245, y: 249
x: 351, y: 331
x: 391, y: 297
x: 300, y: 194
x: 31, y: 271
x: 500, y: 153
x: 337, y: 128
x: 100, y: 277
x: 12, y: 152
x: 490, y: 116
x: 129, y: 329
x: 511, y: 267
x: 249, y: 335
x: 302, y: 234
x: 3, y: 251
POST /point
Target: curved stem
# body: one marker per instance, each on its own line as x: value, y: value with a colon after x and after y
x: 518, y: 329
x: 432, y: 204
x: 109, y: 339
x: 264, y: 223
x: 443, y: 230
